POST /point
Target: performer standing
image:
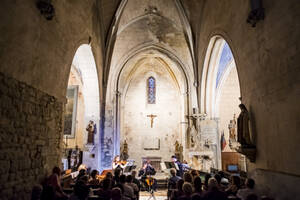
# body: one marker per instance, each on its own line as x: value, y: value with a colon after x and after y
x: 118, y: 164
x: 178, y: 166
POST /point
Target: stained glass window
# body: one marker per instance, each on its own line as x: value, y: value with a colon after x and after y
x: 151, y: 90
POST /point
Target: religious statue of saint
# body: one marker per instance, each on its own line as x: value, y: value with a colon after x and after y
x: 92, y: 130
x: 232, y: 127
x: 124, y: 154
x: 177, y: 147
x: 243, y: 127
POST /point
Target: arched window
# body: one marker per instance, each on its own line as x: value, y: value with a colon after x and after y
x: 151, y: 90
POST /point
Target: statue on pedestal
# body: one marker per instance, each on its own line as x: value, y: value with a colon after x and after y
x: 243, y: 123
x: 92, y: 130
x: 124, y: 154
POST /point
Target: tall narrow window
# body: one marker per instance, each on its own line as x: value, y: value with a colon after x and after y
x: 151, y: 90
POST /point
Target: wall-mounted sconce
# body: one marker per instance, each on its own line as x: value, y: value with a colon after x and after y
x: 46, y: 8
x: 257, y: 12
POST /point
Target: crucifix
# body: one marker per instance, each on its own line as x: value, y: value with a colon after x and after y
x: 152, y: 119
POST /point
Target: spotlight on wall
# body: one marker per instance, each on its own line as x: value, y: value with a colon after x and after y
x: 257, y: 12
x: 46, y: 8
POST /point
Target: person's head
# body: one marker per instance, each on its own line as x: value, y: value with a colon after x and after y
x: 250, y: 183
x: 174, y: 158
x: 173, y: 172
x: 84, y: 179
x: 82, y: 172
x: 221, y: 173
x: 218, y: 178
x: 122, y: 179
x: 212, y: 183
x: 187, y: 177
x: 133, y: 174
x: 252, y: 197
x: 117, y: 158
x: 235, y: 180
x: 197, y: 183
x: 94, y: 173
x: 207, y: 177
x: 179, y: 184
x: 106, y: 184
x: 56, y: 170
x: 116, y: 194
x: 108, y: 175
x: 187, y: 189
x: 148, y: 161
x: 194, y: 173
x: 129, y: 179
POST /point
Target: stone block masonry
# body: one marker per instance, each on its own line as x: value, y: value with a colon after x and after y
x: 31, y: 127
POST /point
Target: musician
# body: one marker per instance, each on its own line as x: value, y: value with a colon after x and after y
x: 147, y: 172
x: 118, y: 164
x: 178, y: 165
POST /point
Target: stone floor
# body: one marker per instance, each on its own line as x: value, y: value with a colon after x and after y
x: 159, y: 195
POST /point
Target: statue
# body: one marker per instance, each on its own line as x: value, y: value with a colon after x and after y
x: 232, y: 127
x: 92, y: 130
x: 124, y: 154
x: 243, y: 124
x: 177, y: 147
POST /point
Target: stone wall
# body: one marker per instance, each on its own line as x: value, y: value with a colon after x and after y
x: 30, y: 137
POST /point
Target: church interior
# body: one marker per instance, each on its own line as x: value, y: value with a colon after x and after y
x: 93, y: 92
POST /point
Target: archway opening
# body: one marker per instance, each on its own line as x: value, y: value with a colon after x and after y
x: 82, y: 113
x: 220, y: 95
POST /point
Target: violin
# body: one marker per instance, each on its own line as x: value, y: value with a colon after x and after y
x: 122, y: 162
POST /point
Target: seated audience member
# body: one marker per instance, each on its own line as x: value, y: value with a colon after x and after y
x: 187, y: 189
x: 197, y: 185
x: 135, y: 180
x: 187, y: 177
x: 36, y: 192
x: 81, y: 191
x: 133, y: 186
x: 205, y: 186
x: 94, y: 181
x: 52, y: 188
x: 172, y: 182
x: 116, y: 194
x: 105, y: 192
x: 243, y: 193
x: 213, y: 192
x: 82, y: 173
x: 178, y: 192
x: 117, y: 174
x: 194, y: 173
x: 234, y: 186
x: 127, y: 190
x: 218, y: 178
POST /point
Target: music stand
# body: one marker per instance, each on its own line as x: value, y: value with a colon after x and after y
x: 128, y: 169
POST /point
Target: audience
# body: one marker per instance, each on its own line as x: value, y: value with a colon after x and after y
x: 197, y: 185
x: 52, y: 188
x: 243, y: 193
x: 105, y: 192
x: 187, y: 189
x: 135, y: 188
x: 172, y: 182
x: 234, y: 186
x: 94, y: 181
x: 213, y: 192
x: 187, y: 177
x: 178, y: 192
x: 121, y: 187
